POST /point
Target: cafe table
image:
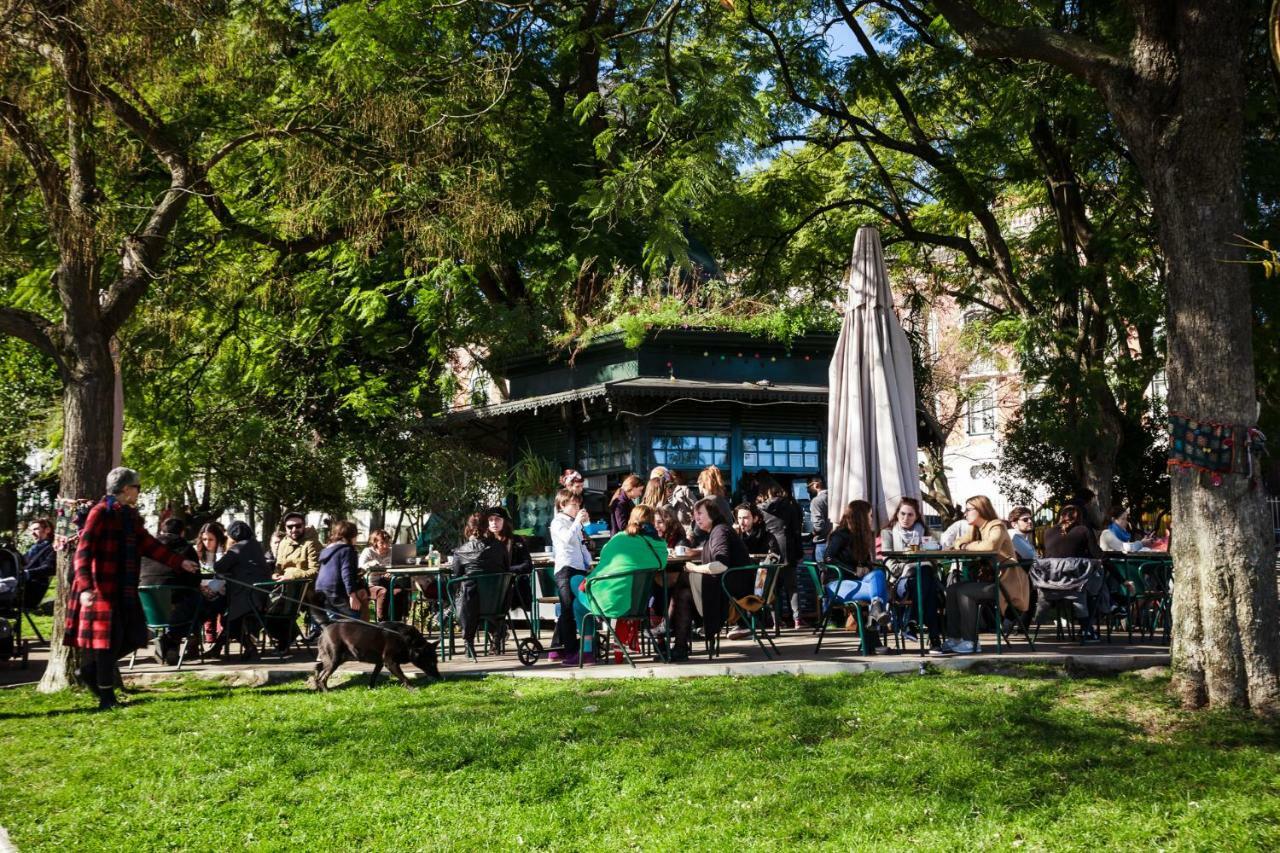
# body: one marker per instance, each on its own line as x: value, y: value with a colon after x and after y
x: 962, y: 559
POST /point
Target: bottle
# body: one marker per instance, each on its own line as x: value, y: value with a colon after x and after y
x: 433, y: 558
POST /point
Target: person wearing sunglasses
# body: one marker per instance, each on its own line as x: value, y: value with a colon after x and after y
x: 297, y: 555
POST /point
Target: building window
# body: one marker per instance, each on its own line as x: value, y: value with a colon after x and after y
x: 982, y: 411
x: 601, y: 450
x: 1159, y: 388
x: 780, y: 452
x: 685, y: 450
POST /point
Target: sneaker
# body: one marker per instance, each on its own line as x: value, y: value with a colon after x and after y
x: 909, y: 635
x: 961, y: 647
x: 739, y: 633
x: 588, y: 659
x: 555, y: 656
x: 1089, y: 638
x: 569, y: 660
x: 940, y: 652
x: 679, y: 654
x: 879, y: 613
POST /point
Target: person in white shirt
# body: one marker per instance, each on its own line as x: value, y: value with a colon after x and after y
x: 572, y: 562
x: 1117, y: 536
x: 953, y: 533
x: 374, y: 560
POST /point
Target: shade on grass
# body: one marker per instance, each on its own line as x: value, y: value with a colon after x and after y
x: 848, y: 762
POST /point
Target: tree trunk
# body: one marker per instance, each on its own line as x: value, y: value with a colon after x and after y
x: 9, y: 511
x: 1226, y: 647
x: 270, y: 521
x: 88, y: 411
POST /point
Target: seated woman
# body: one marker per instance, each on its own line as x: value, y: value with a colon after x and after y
x: 722, y: 546
x: 246, y: 564
x: 852, y: 545
x: 905, y: 531
x: 339, y: 588
x: 211, y: 549
x: 480, y: 553
x: 155, y: 573
x: 750, y: 526
x: 636, y: 546
x: 375, y: 559
x: 519, y: 561
x: 1072, y: 538
x: 987, y: 534
x: 669, y: 528
x: 1118, y: 536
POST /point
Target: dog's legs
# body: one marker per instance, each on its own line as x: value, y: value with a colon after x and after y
x: 324, y: 669
x: 394, y: 669
x: 373, y: 676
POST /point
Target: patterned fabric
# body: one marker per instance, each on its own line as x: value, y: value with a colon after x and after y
x: 107, y: 561
x: 1199, y: 444
x: 1211, y: 450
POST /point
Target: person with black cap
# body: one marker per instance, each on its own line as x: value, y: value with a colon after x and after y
x: 244, y: 564
x: 104, y: 613
x: 521, y: 563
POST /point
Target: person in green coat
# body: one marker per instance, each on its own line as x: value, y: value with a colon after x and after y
x: 637, y: 546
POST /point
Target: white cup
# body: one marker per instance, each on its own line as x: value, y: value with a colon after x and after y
x: 681, y: 550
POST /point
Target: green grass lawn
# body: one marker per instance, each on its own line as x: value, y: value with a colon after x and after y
x: 849, y: 762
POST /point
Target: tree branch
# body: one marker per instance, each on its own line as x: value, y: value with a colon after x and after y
x: 35, y: 330
x: 1071, y: 53
x: 48, y: 173
x: 227, y: 220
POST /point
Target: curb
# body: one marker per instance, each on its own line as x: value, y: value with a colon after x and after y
x: 1073, y: 665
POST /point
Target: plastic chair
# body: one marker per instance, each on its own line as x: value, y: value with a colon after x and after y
x: 158, y: 603
x: 752, y: 606
x: 637, y: 588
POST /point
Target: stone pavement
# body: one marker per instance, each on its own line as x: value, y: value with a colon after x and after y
x: 737, y: 658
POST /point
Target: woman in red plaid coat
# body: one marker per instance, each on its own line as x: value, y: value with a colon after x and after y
x: 104, y: 615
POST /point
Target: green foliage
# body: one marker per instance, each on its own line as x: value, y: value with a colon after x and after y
x: 533, y: 476
x: 959, y: 762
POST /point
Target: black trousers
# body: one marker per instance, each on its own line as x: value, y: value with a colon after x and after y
x: 565, y: 636
x: 962, y: 608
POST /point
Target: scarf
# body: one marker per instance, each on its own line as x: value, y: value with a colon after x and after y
x: 1120, y: 532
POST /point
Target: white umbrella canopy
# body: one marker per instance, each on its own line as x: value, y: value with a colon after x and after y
x: 871, y: 419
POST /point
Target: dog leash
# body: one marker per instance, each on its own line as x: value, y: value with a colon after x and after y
x: 301, y: 603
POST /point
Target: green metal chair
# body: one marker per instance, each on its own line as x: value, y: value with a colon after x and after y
x: 998, y: 612
x: 830, y: 601
x: 279, y: 619
x: 493, y: 590
x: 753, y: 606
x: 637, y: 588
x: 158, y: 602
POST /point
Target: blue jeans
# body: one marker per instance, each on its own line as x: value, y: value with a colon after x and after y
x: 819, y: 551
x: 873, y: 585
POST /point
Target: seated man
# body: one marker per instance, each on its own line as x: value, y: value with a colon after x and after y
x: 298, y: 556
x: 155, y: 573
x: 39, y: 563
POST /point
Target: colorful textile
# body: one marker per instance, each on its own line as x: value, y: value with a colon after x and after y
x: 1201, y: 445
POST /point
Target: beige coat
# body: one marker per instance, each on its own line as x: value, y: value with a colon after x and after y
x: 1015, y: 584
x: 297, y: 559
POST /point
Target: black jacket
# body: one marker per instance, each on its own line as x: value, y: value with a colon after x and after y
x: 758, y: 541
x: 479, y: 556
x: 840, y: 550
x: 785, y: 521
x: 1079, y: 541
x: 250, y: 567
x: 521, y: 562
x: 156, y: 573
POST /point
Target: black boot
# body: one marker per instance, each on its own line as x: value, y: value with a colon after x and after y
x: 87, y: 675
x: 107, y: 699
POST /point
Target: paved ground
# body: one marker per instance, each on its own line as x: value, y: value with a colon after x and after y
x: 839, y: 654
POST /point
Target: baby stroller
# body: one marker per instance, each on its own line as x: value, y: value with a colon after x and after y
x: 12, y: 645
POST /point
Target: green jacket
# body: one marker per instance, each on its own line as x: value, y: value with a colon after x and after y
x: 624, y: 553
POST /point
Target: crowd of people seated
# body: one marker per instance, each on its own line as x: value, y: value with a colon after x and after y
x: 866, y: 571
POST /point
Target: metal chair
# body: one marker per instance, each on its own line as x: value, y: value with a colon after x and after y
x: 637, y: 586
x: 752, y: 605
x: 159, y: 603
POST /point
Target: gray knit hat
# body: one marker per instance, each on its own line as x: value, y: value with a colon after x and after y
x: 121, y: 477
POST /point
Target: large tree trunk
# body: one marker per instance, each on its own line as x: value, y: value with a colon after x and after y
x: 1226, y: 644
x: 88, y: 411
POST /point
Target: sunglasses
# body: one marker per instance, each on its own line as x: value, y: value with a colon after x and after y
x: 294, y: 526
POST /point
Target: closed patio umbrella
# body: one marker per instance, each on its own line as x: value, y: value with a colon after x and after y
x: 871, y: 419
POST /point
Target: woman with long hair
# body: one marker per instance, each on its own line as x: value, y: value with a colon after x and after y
x: 657, y: 492
x: 669, y: 528
x: 852, y: 545
x: 623, y: 501
x: 986, y: 534
x: 1071, y: 538
x: 906, y: 530
x: 519, y: 561
x: 479, y: 553
x: 211, y: 549
x: 1118, y: 535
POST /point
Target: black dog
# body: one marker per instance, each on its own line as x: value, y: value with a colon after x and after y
x: 389, y: 644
